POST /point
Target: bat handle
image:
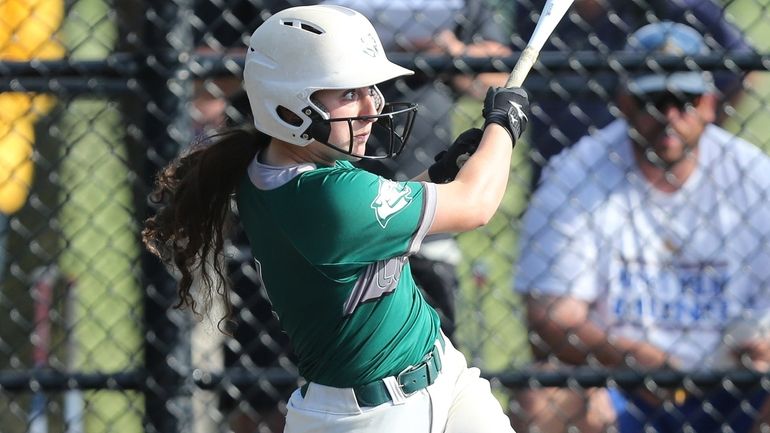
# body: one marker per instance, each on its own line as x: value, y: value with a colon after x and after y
x: 523, y: 65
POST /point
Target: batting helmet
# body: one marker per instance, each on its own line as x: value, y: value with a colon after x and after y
x: 303, y: 49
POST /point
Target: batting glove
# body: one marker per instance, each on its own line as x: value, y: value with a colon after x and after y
x: 449, y: 162
x: 508, y: 108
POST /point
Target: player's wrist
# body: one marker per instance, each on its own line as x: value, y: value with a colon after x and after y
x: 501, y: 122
x: 507, y: 107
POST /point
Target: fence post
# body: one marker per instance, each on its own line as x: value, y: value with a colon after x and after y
x: 166, y: 80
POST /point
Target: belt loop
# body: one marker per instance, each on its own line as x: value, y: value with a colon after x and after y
x: 394, y: 389
x: 439, y: 361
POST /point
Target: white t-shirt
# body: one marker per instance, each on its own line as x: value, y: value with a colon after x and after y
x: 669, y: 268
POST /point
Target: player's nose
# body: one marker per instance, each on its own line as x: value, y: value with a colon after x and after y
x: 369, y: 106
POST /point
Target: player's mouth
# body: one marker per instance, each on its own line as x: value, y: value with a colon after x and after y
x: 361, y: 138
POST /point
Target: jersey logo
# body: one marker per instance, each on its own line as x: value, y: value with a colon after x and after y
x: 392, y: 198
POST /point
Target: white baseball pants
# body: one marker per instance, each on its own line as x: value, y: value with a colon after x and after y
x: 458, y: 402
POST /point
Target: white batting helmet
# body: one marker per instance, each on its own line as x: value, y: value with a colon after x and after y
x: 300, y: 50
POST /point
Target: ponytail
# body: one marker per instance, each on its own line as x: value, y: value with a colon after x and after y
x: 194, y: 195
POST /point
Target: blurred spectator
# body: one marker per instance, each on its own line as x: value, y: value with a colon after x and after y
x: 645, y: 243
x: 26, y: 33
x: 602, y: 26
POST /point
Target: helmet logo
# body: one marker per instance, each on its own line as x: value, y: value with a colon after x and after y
x: 370, y: 44
x: 391, y: 199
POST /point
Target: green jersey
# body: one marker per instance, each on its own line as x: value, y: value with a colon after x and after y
x: 331, y: 244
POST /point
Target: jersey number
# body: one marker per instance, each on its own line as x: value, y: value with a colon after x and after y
x: 379, y: 279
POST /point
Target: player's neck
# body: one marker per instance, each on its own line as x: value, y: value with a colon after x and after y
x: 282, y: 154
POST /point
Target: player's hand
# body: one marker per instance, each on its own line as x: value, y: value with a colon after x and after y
x: 508, y: 108
x: 449, y: 162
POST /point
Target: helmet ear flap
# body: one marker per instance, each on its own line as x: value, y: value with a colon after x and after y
x: 319, y: 129
x: 288, y: 116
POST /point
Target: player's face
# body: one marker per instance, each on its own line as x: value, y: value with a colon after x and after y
x: 671, y: 125
x: 341, y: 104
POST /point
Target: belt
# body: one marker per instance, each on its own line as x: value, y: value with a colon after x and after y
x: 411, y: 379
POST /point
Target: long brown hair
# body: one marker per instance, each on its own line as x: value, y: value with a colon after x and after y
x: 193, y: 194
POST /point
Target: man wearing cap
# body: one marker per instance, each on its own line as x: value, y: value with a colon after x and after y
x: 645, y: 244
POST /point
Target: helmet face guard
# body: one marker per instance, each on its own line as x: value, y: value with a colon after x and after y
x: 390, y: 130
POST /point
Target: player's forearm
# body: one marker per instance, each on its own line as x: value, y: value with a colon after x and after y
x: 484, y: 177
x: 471, y: 199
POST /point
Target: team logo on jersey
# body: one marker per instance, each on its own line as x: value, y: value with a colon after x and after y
x: 391, y: 199
x: 369, y: 43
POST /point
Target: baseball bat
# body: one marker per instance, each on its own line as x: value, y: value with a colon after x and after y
x: 553, y: 11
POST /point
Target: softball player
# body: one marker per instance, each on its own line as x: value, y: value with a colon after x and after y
x: 331, y: 241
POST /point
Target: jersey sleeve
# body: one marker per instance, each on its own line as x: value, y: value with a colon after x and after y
x: 354, y: 216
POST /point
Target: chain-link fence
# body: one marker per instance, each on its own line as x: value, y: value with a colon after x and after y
x: 98, y: 94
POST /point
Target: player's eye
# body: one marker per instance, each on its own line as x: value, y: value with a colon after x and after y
x: 350, y: 94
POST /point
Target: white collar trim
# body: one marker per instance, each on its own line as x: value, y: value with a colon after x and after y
x: 267, y: 177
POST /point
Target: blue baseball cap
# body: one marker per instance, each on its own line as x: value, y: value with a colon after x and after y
x: 674, y: 39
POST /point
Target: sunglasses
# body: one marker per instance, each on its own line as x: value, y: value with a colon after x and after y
x: 663, y: 100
